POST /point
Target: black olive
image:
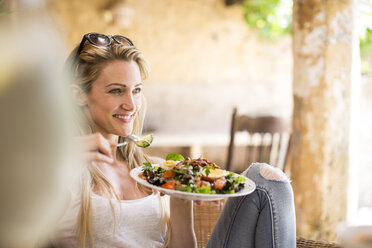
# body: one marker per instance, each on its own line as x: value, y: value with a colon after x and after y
x: 241, y: 186
x: 162, y: 181
x: 227, y: 185
x: 185, y: 178
x: 155, y: 181
x: 149, y: 174
x: 183, y: 181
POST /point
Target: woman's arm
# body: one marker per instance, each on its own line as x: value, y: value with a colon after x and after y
x: 181, y: 224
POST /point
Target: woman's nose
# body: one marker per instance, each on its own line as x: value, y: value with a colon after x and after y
x: 128, y: 103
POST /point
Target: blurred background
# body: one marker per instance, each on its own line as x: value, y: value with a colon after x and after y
x: 205, y: 58
x: 209, y: 56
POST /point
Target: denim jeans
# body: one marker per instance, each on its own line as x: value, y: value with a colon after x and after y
x: 262, y: 219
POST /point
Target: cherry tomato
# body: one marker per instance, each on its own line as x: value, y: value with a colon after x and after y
x: 169, y: 185
x: 220, y: 183
x: 169, y: 174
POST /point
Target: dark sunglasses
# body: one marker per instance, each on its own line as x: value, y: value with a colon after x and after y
x: 103, y: 40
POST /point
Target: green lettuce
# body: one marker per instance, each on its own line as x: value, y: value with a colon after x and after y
x: 175, y: 157
x: 205, y: 190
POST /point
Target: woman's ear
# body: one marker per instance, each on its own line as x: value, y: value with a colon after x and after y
x: 78, y: 95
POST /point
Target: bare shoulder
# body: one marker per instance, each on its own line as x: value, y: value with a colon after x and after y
x: 156, y: 160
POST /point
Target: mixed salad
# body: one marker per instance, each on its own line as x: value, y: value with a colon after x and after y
x: 192, y: 175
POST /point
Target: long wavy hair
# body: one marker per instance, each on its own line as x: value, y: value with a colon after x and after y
x: 84, y: 70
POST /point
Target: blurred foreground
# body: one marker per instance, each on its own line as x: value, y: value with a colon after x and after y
x: 36, y: 153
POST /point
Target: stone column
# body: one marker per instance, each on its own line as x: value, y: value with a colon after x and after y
x: 322, y: 50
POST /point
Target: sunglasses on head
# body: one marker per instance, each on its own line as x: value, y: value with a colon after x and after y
x: 103, y: 40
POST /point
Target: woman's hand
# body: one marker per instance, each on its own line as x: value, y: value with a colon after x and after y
x: 95, y: 148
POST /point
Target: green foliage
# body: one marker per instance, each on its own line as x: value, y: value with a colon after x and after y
x: 365, y: 32
x: 272, y: 18
x: 366, y: 43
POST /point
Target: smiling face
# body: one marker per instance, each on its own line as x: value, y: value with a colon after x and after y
x: 115, y: 99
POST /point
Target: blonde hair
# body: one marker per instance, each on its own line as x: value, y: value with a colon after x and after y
x: 84, y: 70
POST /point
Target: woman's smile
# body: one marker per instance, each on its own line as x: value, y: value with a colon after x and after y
x: 125, y: 118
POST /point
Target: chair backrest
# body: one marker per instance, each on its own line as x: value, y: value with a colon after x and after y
x: 267, y: 140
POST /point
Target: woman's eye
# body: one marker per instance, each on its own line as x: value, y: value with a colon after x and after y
x: 116, y: 91
x: 137, y: 90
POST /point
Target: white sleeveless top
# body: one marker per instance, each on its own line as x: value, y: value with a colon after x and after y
x: 138, y: 223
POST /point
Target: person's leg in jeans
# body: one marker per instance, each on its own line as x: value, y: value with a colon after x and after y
x: 262, y: 219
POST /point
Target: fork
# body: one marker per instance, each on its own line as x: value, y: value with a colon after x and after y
x: 135, y: 139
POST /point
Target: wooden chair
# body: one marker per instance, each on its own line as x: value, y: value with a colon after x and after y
x: 268, y: 140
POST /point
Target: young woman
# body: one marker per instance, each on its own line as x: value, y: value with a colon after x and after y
x: 109, y: 209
